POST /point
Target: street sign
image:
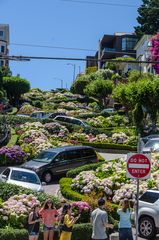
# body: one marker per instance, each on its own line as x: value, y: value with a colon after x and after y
x: 138, y: 166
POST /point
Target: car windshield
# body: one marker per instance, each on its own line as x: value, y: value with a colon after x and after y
x: 45, y: 156
x: 24, y: 177
x: 152, y: 144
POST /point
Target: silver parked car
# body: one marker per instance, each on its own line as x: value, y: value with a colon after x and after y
x: 152, y: 145
x: 22, y: 177
x: 149, y: 214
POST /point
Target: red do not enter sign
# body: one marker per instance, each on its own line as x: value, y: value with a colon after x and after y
x: 138, y: 166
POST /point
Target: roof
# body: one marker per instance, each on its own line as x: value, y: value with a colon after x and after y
x: 21, y: 169
x: 65, y: 148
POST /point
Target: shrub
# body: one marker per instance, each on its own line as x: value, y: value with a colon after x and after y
x: 111, y: 146
x: 84, y: 209
x: 37, y: 104
x: 13, y: 112
x: 13, y: 120
x: 80, y: 231
x: 14, y: 138
x: 92, y: 200
x: 67, y: 192
x: 74, y: 172
x: 9, y: 190
x: 13, y: 234
x: 12, y: 156
x: 15, y: 210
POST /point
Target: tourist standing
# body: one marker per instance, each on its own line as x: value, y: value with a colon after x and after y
x: 99, y: 220
x: 125, y: 229
x: 67, y: 221
x: 49, y: 216
x: 34, y: 223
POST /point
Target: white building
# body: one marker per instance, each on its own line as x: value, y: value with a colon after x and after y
x: 143, y: 53
x: 4, y: 42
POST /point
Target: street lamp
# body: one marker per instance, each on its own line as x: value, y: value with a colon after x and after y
x: 74, y: 69
x: 59, y: 80
x: 79, y: 67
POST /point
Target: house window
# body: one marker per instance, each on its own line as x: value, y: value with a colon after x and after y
x: 128, y: 43
x: 1, y: 63
x: 2, y: 49
x: 1, y: 33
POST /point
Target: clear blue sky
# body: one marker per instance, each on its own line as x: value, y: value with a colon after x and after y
x: 60, y: 23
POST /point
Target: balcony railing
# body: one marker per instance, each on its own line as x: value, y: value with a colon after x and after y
x: 108, y: 50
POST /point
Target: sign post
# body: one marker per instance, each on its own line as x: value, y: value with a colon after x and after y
x: 138, y: 167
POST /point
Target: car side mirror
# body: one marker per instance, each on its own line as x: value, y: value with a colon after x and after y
x: 56, y: 160
x: 43, y: 183
x: 4, y: 177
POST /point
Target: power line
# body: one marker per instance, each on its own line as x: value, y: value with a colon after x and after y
x: 101, y: 3
x: 46, y: 46
x: 28, y: 58
x: 67, y: 48
x: 110, y: 4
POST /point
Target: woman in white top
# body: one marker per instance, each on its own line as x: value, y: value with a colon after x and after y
x: 125, y: 230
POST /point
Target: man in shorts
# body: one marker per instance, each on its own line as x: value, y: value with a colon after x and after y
x: 99, y: 220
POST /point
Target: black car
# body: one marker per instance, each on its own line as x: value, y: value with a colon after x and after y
x: 56, y: 161
x: 55, y: 114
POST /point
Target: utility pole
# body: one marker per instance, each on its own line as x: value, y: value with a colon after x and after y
x: 61, y: 80
x: 99, y: 55
x: 74, y: 70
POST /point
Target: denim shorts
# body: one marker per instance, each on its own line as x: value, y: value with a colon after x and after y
x: 33, y: 234
x: 46, y: 228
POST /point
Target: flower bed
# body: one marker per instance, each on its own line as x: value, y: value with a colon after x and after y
x: 15, y: 210
x: 112, y: 121
x: 12, y: 155
x: 110, y: 179
x: 9, y: 190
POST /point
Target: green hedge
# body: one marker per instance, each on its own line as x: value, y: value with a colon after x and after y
x: 14, y: 120
x: 13, y: 234
x: 13, y: 139
x: 80, y: 231
x: 9, y: 190
x: 74, y: 172
x: 13, y: 112
x: 110, y: 146
x: 67, y: 192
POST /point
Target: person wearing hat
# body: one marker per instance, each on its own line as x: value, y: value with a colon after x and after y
x: 99, y: 220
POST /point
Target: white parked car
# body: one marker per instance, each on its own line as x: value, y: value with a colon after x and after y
x: 22, y: 177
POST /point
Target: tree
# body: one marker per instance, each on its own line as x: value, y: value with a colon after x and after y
x: 135, y: 75
x: 148, y: 18
x: 15, y: 86
x: 79, y: 85
x: 136, y: 96
x: 99, y: 89
x: 5, y: 71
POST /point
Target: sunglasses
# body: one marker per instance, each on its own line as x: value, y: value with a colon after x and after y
x: 49, y: 202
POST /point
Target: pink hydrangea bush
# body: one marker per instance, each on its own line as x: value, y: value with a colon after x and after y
x: 83, y: 209
x: 16, y: 209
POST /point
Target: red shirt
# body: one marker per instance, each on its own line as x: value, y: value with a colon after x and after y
x: 49, y: 216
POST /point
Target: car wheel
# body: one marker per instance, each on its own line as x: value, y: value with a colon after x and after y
x: 47, y: 177
x: 147, y: 228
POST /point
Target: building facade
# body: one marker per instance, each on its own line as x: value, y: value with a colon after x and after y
x: 142, y: 49
x: 113, y: 46
x: 4, y: 43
